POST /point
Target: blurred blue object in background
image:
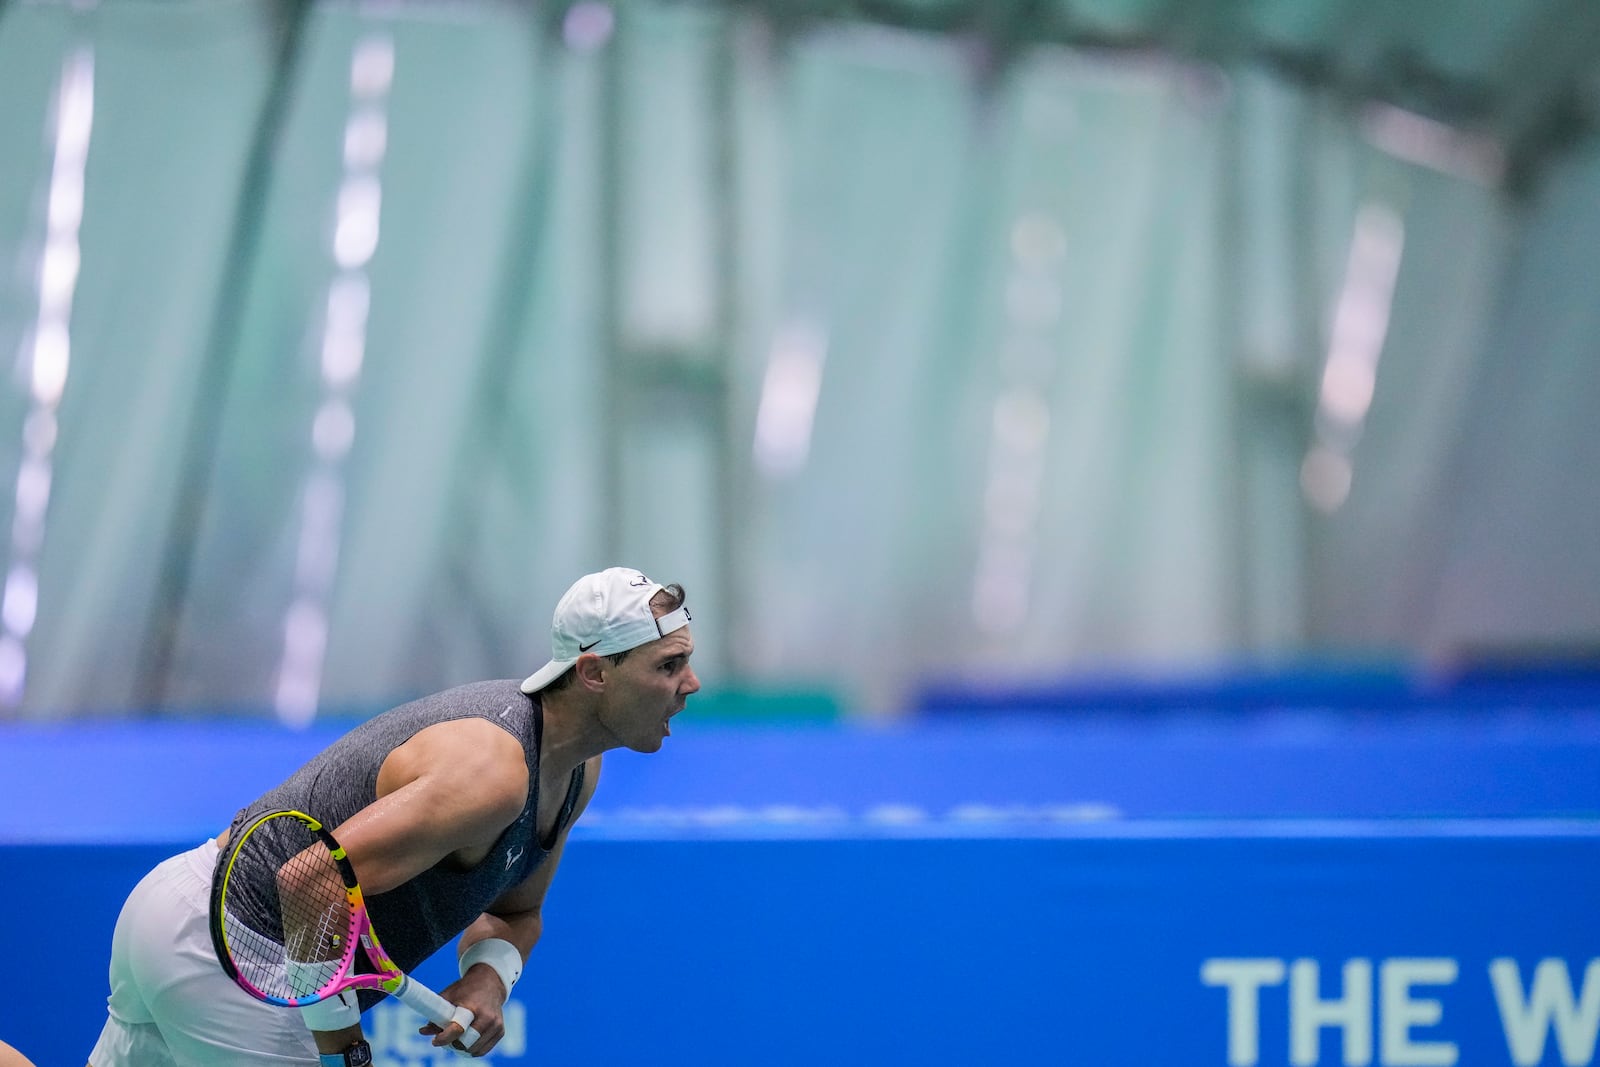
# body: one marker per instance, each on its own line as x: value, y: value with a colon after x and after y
x: 1302, y: 744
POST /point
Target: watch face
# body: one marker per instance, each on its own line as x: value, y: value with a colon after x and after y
x: 358, y: 1055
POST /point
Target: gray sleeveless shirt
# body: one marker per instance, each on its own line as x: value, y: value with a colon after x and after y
x: 418, y: 918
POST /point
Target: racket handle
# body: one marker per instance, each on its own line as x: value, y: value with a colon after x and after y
x: 437, y: 1010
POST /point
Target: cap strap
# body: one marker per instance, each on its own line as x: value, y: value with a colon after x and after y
x: 672, y: 620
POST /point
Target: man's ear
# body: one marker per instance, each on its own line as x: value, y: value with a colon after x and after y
x: 591, y: 672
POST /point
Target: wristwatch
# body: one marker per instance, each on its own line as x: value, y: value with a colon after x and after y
x: 357, y: 1055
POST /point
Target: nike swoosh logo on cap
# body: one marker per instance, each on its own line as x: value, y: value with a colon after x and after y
x: 585, y: 648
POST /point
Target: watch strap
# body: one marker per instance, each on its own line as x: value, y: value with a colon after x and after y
x: 359, y: 1054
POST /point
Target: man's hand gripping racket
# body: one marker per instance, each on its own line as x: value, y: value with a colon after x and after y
x: 287, y: 915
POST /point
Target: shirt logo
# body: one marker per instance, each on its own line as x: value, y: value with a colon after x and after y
x: 513, y: 857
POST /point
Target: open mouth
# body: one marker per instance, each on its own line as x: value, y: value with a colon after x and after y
x: 666, y: 723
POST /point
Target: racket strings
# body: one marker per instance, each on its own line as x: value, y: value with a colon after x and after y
x: 316, y: 920
x: 285, y: 912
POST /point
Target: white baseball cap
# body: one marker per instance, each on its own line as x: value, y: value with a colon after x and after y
x: 603, y: 613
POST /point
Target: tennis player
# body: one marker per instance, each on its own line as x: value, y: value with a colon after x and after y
x: 453, y: 809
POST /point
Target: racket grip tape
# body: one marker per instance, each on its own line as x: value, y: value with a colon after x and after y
x: 437, y: 1010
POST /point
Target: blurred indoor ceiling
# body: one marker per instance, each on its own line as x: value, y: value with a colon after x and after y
x: 1524, y: 73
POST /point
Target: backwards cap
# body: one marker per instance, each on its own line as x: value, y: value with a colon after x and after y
x: 603, y: 613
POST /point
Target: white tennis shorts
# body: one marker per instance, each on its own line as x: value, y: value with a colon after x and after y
x: 171, y: 1005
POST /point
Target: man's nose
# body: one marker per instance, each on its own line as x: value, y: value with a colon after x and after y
x: 691, y: 682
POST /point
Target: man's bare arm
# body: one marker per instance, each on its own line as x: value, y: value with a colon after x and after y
x: 516, y: 917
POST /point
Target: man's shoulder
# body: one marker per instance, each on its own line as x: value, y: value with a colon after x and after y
x: 494, y: 695
x: 498, y: 705
x: 493, y: 688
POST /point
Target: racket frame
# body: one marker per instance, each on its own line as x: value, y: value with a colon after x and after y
x: 389, y: 978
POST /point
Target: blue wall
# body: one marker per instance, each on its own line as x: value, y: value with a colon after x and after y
x: 1011, y: 889
x: 979, y: 950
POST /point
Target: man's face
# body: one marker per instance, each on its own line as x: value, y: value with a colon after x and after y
x: 650, y: 686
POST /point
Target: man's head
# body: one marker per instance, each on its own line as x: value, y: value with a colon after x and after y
x: 608, y: 613
x: 623, y: 642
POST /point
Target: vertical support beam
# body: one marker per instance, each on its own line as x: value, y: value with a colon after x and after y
x: 1268, y: 342
x: 1230, y: 317
x: 507, y: 333
x: 729, y: 298
x: 177, y: 562
x: 666, y: 374
x: 610, y: 301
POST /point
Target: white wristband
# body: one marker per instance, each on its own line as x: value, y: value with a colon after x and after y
x: 334, y: 1013
x: 337, y: 1012
x: 501, y: 955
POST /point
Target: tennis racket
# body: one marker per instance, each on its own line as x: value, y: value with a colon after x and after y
x: 287, y: 916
